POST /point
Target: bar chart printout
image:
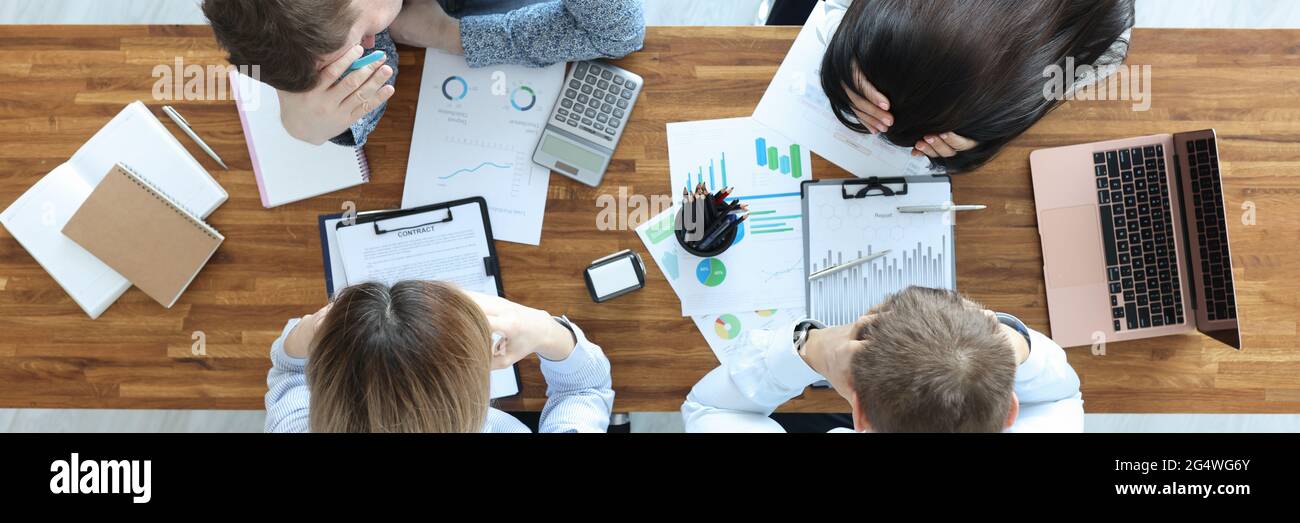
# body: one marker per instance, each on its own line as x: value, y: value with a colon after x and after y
x: 843, y: 297
x: 841, y: 230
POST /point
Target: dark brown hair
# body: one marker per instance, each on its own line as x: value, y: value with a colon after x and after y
x: 972, y: 67
x: 934, y: 362
x: 414, y: 357
x: 284, y: 37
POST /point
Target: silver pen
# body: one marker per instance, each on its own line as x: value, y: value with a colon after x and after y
x: 185, y: 126
x: 941, y: 207
x: 847, y: 265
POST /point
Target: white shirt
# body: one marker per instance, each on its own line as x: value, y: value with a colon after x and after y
x: 740, y: 395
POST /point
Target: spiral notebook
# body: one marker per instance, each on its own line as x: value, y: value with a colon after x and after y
x: 289, y: 169
x: 143, y: 234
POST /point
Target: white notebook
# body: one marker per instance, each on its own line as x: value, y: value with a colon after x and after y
x: 134, y: 138
x: 289, y: 169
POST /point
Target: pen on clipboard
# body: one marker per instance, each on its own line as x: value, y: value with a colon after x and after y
x: 185, y: 127
x: 847, y: 265
x: 943, y: 207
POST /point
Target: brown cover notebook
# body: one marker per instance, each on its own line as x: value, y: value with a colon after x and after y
x: 143, y: 234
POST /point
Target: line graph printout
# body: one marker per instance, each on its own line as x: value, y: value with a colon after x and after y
x: 840, y: 231
x: 475, y: 131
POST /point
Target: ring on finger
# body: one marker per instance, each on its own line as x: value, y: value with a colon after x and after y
x: 362, y: 98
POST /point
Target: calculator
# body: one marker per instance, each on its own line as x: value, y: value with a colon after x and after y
x: 588, y: 120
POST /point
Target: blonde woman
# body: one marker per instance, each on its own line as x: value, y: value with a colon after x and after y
x: 415, y: 357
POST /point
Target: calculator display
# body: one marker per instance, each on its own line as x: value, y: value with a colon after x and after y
x: 566, y: 150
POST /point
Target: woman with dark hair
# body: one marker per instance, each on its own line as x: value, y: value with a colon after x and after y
x: 956, y: 80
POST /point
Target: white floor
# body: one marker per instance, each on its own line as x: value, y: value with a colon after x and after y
x: 1150, y: 13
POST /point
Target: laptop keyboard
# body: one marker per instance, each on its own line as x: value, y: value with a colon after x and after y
x: 1207, y: 195
x: 1138, y: 234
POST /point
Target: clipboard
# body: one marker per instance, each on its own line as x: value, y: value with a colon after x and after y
x: 505, y: 382
x: 330, y: 223
x: 848, y: 219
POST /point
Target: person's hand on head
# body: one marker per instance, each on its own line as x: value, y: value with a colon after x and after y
x: 524, y: 330
x: 830, y: 353
x: 325, y: 111
x: 298, y: 343
x: 943, y: 145
x: 423, y: 23
x: 873, y: 109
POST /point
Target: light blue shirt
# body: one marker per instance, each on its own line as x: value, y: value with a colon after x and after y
x: 579, y: 392
x: 741, y: 395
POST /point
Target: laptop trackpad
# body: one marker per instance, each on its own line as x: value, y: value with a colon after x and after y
x: 1072, y: 246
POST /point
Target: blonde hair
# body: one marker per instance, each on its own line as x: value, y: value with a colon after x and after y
x: 414, y: 357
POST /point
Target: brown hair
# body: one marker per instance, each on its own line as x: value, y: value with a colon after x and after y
x: 284, y: 37
x: 934, y: 362
x: 414, y: 357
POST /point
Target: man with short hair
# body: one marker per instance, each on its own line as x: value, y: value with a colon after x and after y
x: 305, y: 46
x: 925, y: 360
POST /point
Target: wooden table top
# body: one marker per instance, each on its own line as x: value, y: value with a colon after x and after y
x: 58, y: 85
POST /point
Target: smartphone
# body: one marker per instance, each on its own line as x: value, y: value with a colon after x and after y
x: 363, y: 61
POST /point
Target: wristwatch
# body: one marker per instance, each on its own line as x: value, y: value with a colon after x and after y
x: 801, y: 333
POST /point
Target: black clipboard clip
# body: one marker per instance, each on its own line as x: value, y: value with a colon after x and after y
x: 379, y: 231
x: 874, y: 186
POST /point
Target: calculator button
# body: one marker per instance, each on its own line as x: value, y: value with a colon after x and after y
x: 606, y: 74
x: 626, y: 94
x: 602, y: 84
x: 562, y: 112
x: 579, y: 108
x: 559, y: 118
x: 611, y: 98
x: 610, y: 131
x: 591, y: 113
x: 575, y: 83
x: 618, y: 113
x: 580, y: 68
x: 586, y: 121
x: 570, y: 93
x: 573, y: 122
x: 630, y: 84
x: 618, y: 80
x: 591, y: 79
x: 602, y: 118
x: 606, y: 108
x: 586, y: 89
x: 566, y: 103
x: 622, y: 104
x: 582, y: 99
x: 595, y: 69
x: 599, y: 127
x: 613, y: 124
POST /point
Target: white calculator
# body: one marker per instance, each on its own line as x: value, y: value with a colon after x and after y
x: 587, y: 122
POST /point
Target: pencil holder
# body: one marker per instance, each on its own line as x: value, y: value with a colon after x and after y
x: 690, y: 231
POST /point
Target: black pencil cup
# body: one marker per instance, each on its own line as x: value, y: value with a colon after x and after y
x: 690, y: 231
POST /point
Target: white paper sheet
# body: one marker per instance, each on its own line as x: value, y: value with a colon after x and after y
x: 841, y: 230
x: 728, y: 332
x: 796, y: 105
x: 762, y: 268
x: 475, y: 132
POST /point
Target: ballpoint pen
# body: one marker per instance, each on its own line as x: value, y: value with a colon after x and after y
x: 185, y: 127
x: 847, y: 265
x: 941, y: 207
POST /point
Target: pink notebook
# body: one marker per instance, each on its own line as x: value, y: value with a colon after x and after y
x: 289, y: 169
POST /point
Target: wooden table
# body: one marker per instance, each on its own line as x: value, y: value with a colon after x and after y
x: 58, y: 85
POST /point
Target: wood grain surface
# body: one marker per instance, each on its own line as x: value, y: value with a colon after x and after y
x: 58, y: 85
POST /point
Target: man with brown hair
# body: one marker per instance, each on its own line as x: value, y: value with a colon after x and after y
x: 305, y: 46
x: 925, y: 360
